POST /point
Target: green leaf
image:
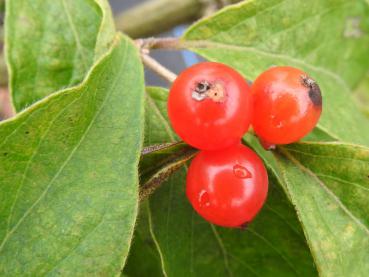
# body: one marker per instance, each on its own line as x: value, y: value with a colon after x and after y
x: 68, y: 174
x: 51, y: 45
x: 361, y: 94
x: 327, y: 39
x: 143, y: 259
x: 273, y: 245
x: 328, y: 184
x: 159, y: 161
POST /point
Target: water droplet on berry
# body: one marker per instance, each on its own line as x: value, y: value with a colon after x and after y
x: 241, y: 172
x: 204, y: 199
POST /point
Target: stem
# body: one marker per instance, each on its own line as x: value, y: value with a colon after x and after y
x: 169, y: 43
x: 158, y: 68
x: 160, y: 43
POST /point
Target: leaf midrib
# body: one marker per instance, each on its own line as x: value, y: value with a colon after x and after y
x: 326, y: 156
x: 75, y: 34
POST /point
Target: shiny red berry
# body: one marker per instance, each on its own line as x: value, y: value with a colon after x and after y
x: 209, y: 106
x: 227, y: 187
x: 287, y: 105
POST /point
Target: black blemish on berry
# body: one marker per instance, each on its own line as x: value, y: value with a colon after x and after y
x: 314, y: 90
x: 5, y: 154
x: 200, y: 91
x: 26, y: 132
x: 244, y: 226
x: 202, y: 87
x: 214, y: 91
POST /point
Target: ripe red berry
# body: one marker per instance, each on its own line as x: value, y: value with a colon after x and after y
x: 287, y: 105
x: 227, y: 187
x: 209, y: 106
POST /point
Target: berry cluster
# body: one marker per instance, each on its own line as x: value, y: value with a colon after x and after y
x: 211, y: 107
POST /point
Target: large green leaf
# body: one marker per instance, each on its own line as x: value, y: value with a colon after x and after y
x: 329, y: 186
x: 328, y: 39
x: 50, y: 45
x: 273, y: 245
x: 68, y: 174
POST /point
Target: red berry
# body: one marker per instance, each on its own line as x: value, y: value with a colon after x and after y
x: 227, y: 187
x: 209, y: 106
x: 287, y: 105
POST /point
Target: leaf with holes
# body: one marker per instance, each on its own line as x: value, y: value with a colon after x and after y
x: 68, y: 167
x: 327, y: 39
x: 187, y: 245
x: 51, y: 45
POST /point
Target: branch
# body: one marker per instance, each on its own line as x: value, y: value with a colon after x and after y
x: 158, y: 68
x: 169, y: 43
x: 160, y: 43
x: 156, y: 16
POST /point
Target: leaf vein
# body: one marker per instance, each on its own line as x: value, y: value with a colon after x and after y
x: 43, y: 194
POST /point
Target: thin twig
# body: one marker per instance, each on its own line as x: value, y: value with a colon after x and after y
x: 160, y: 43
x: 6, y: 108
x: 168, y: 43
x: 158, y: 68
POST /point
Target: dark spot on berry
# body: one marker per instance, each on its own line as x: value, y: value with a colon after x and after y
x: 5, y: 154
x: 202, y: 87
x: 244, y: 226
x: 26, y: 132
x: 314, y: 90
x: 200, y: 91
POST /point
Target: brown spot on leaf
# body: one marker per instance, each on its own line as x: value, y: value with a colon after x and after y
x: 353, y: 28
